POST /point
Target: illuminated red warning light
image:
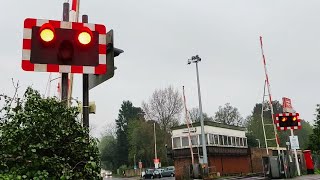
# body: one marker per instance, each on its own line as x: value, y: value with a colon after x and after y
x: 284, y: 119
x: 47, y: 32
x: 85, y: 37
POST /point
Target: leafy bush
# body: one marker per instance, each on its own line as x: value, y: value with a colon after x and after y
x: 41, y: 138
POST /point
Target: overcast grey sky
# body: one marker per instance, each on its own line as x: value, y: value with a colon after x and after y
x: 159, y: 36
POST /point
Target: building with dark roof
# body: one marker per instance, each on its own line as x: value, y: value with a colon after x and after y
x: 227, y: 148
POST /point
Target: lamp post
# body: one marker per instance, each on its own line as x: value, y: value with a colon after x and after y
x: 196, y: 59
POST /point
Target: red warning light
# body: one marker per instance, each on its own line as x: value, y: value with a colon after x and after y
x: 294, y: 118
x: 284, y: 119
x: 47, y: 32
x: 85, y: 36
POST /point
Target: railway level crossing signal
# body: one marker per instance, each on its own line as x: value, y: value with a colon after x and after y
x: 286, y: 121
x: 65, y: 47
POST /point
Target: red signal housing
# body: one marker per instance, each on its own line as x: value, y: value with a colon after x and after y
x: 286, y: 121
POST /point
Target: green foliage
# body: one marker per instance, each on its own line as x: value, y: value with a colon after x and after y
x: 42, y: 139
x: 135, y: 138
x: 126, y: 114
x: 255, y: 129
x: 304, y: 134
x: 315, y: 137
x: 141, y: 142
x: 108, y: 149
x: 252, y: 141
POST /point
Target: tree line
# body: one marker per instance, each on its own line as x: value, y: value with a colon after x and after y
x: 133, y: 138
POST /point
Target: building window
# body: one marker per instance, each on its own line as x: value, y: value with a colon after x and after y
x: 229, y: 141
x: 176, y: 142
x: 185, y: 141
x: 225, y: 140
x: 211, y: 139
x: 245, y: 142
x: 241, y: 141
x: 233, y: 141
x: 216, y: 139
x: 220, y: 140
x: 237, y: 141
x: 194, y: 140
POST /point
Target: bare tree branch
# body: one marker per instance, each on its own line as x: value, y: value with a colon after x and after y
x: 164, y: 106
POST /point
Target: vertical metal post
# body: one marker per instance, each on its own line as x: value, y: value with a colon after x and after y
x: 134, y: 162
x: 204, y: 146
x: 155, y: 145
x: 64, y: 76
x: 262, y: 119
x: 296, y: 156
x: 188, y: 126
x: 74, y: 17
x: 155, y: 140
x: 85, y: 84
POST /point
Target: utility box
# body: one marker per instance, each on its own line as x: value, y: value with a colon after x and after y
x: 271, y: 166
x: 195, y: 171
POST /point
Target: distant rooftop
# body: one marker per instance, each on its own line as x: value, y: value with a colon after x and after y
x: 211, y: 123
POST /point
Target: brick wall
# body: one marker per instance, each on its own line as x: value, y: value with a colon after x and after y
x: 226, y: 164
x: 256, y: 158
x: 230, y: 164
x: 181, y: 166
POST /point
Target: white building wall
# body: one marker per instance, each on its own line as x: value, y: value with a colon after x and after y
x: 208, y: 130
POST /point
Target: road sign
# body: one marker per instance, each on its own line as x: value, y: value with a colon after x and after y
x: 294, y: 142
x: 156, y: 160
x: 66, y: 47
x: 287, y: 106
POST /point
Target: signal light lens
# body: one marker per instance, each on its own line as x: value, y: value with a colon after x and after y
x: 284, y: 119
x: 84, y: 38
x: 294, y: 118
x: 47, y: 35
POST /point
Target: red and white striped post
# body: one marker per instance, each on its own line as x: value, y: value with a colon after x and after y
x: 74, y: 17
x: 270, y: 97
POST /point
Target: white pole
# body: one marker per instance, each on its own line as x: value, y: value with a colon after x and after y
x: 296, y: 156
x: 155, y: 145
x: 204, y: 148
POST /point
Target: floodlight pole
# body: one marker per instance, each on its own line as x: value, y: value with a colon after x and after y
x: 196, y: 59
